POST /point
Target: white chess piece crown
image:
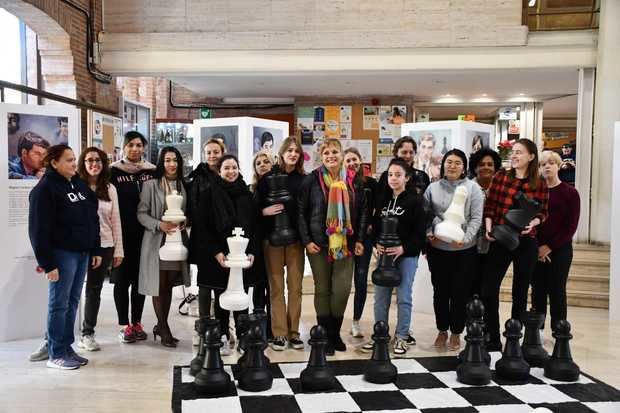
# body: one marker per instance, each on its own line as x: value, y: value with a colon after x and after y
x: 235, y: 298
x: 450, y: 228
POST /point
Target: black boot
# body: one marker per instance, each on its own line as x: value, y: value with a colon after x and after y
x: 325, y: 321
x: 336, y: 325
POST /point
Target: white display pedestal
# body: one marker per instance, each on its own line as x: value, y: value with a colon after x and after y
x: 614, y: 257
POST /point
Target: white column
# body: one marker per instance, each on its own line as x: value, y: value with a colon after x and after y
x: 530, y: 121
x: 585, y: 116
x: 614, y: 270
x: 606, y: 112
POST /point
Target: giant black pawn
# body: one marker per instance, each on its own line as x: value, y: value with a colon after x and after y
x: 283, y: 232
x: 533, y: 351
x: 473, y: 370
x: 512, y: 365
x: 201, y: 325
x: 387, y: 273
x: 380, y: 369
x: 474, y: 312
x: 212, y: 379
x: 317, y: 376
x: 560, y: 365
x: 255, y: 376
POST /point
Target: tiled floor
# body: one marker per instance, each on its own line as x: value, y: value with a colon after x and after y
x: 137, y: 377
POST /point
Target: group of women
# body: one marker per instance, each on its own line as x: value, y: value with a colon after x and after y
x: 110, y: 216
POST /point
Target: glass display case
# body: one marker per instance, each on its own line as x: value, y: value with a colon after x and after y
x: 177, y: 134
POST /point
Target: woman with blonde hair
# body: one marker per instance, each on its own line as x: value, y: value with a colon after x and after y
x: 284, y: 315
x: 332, y: 224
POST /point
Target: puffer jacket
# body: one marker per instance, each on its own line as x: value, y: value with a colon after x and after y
x: 312, y: 211
x: 199, y: 200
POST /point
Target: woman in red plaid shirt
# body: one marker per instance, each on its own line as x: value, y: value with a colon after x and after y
x: 522, y: 177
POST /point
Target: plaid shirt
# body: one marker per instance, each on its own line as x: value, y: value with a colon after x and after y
x: 501, y: 193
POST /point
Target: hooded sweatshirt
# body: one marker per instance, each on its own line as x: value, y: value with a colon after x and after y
x: 62, y: 215
x: 438, y: 197
x: 408, y: 208
x: 128, y: 178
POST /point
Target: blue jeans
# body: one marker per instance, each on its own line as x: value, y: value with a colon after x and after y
x: 383, y: 297
x: 64, y: 297
x: 360, y: 276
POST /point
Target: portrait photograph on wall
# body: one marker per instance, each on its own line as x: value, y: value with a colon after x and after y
x: 29, y: 137
x: 476, y: 140
x: 229, y: 135
x: 432, y: 145
x: 268, y: 139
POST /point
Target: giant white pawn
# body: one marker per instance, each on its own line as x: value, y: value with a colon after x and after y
x: 450, y: 228
x: 173, y: 249
x: 235, y: 298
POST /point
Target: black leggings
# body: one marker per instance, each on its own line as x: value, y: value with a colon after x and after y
x: 550, y: 280
x: 122, y: 297
x: 497, y: 261
x: 94, y: 284
x: 261, y: 300
x: 451, y: 275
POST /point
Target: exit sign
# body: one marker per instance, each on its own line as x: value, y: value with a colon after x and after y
x: 206, y: 113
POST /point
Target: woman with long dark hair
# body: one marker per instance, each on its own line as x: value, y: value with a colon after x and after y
x: 522, y: 177
x: 94, y: 169
x: 353, y: 162
x: 332, y: 224
x: 231, y: 206
x: 128, y: 175
x: 451, y: 263
x: 64, y: 232
x: 285, y: 315
x: 158, y: 277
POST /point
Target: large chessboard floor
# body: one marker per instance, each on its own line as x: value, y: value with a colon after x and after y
x: 424, y: 384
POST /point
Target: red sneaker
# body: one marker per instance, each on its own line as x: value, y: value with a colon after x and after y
x: 126, y: 335
x: 138, y: 331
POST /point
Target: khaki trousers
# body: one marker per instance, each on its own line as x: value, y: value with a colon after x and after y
x: 285, y: 319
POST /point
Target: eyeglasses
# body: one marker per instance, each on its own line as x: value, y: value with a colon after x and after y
x: 92, y: 161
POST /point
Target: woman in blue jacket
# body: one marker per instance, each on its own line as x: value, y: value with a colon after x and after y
x: 64, y: 232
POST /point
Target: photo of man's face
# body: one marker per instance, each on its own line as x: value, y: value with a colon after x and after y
x: 63, y: 129
x: 427, y: 146
x: 33, y: 158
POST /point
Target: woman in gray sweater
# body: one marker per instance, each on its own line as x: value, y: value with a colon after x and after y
x: 450, y: 263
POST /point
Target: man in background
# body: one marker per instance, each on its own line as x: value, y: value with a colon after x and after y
x: 567, y: 167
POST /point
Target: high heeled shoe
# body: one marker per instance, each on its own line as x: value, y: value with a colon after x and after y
x: 165, y: 336
x: 156, y: 332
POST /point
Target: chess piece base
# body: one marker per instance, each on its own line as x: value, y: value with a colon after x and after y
x: 255, y: 380
x: 506, y: 236
x: 234, y: 300
x: 512, y: 369
x: 283, y: 237
x: 317, y: 379
x: 448, y: 232
x: 196, y: 365
x: 212, y: 381
x: 380, y: 372
x: 562, y: 370
x: 474, y: 374
x: 535, y: 356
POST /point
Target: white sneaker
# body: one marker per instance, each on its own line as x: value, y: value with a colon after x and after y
x: 226, y: 349
x: 356, y: 330
x: 368, y: 347
x: 400, y: 346
x: 41, y: 353
x: 88, y: 343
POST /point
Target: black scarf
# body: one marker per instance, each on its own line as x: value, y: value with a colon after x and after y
x: 229, y: 206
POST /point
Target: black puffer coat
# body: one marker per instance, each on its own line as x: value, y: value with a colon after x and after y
x: 198, y: 190
x: 312, y: 212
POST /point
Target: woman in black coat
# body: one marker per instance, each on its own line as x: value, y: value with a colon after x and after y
x: 232, y: 206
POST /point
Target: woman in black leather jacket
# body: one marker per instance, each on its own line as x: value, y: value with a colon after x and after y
x: 332, y: 202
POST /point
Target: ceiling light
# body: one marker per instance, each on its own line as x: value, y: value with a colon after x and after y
x: 484, y: 94
x: 521, y: 94
x: 532, y: 3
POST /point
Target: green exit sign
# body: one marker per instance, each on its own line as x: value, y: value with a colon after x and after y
x: 206, y: 113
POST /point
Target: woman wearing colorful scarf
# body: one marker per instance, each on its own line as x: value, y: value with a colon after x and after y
x: 332, y: 225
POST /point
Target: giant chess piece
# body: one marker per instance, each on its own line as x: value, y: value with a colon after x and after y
x: 512, y: 365
x: 235, y: 298
x: 516, y: 220
x: 533, y: 351
x: 173, y: 249
x: 201, y: 326
x: 450, y: 229
x: 283, y: 233
x: 474, y: 312
x: 387, y: 273
x: 560, y: 365
x: 242, y: 326
x: 380, y: 369
x: 317, y: 376
x: 212, y: 379
x: 255, y: 376
x: 245, y: 323
x: 473, y: 370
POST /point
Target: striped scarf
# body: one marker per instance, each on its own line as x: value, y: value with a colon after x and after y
x: 338, y: 220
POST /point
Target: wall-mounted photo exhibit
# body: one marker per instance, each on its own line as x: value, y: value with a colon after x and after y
x: 106, y: 132
x: 242, y: 136
x: 26, y: 134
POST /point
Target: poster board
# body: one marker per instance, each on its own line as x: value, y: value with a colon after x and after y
x: 243, y: 137
x: 106, y: 132
x: 23, y: 291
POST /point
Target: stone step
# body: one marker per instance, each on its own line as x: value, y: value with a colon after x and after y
x: 574, y: 298
x: 577, y: 282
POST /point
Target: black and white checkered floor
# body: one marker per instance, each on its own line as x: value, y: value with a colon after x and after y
x: 426, y: 384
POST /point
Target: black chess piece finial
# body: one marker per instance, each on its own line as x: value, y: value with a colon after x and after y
x: 255, y: 375
x: 317, y: 376
x: 473, y: 370
x: 533, y: 351
x: 560, y: 365
x: 212, y: 379
x: 387, y: 273
x: 512, y: 365
x: 380, y: 369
